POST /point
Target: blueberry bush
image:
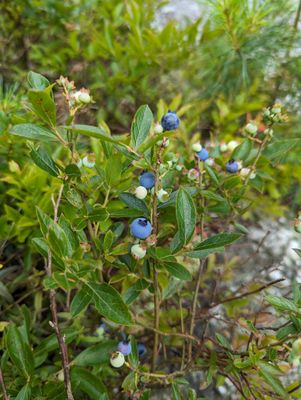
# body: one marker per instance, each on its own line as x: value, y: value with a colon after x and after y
x: 128, y: 198
x: 125, y: 241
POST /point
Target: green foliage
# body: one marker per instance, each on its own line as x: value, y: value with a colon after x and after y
x: 68, y: 196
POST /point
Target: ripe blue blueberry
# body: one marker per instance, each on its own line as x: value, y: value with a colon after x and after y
x: 232, y: 166
x: 141, y: 228
x: 141, y: 349
x: 124, y: 347
x: 147, y: 180
x: 170, y: 121
x: 203, y: 154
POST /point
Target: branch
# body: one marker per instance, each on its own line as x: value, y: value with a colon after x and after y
x: 228, y: 299
x: 53, y: 307
x: 155, y: 272
x: 5, y: 395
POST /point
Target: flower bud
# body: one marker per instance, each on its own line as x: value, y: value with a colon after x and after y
x: 196, y: 147
x: 117, y: 359
x: 138, y: 251
x: 141, y: 192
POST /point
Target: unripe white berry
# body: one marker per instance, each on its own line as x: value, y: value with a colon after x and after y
x: 209, y: 161
x: 141, y: 192
x: 239, y: 163
x: 196, y: 147
x: 117, y: 359
x: 232, y: 145
x: 251, y: 128
x: 82, y: 97
x: 163, y: 196
x: 60, y: 376
x: 179, y: 167
x: 89, y: 161
x: 158, y: 128
x: 79, y: 163
x: 223, y: 147
x: 244, y: 172
x: 137, y: 251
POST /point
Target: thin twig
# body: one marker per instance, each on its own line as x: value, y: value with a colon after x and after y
x: 228, y: 299
x: 5, y: 395
x: 201, y: 267
x: 53, y: 307
x: 155, y: 272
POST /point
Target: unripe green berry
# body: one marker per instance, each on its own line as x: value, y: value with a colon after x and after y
x: 117, y: 359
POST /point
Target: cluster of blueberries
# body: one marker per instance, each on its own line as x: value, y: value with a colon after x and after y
x: 171, y: 121
x: 141, y: 228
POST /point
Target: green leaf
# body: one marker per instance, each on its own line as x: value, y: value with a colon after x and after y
x: 204, y: 253
x: 25, y: 393
x: 186, y: 219
x: 94, y: 131
x: 19, y: 351
x: 37, y: 81
x: 43, y: 105
x: 33, y: 132
x: 133, y: 356
x: 73, y: 197
x: 134, y: 290
x: 213, y: 175
x: 55, y: 235
x: 267, y: 372
x: 217, y: 241
x: 109, y: 303
x: 4, y: 292
x: 137, y: 204
x: 277, y: 150
x: 242, y: 151
x: 282, y: 304
x: 141, y: 125
x: 176, y: 394
x: 80, y: 301
x: 96, y: 355
x: 88, y: 383
x: 177, y: 270
x: 43, y: 160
